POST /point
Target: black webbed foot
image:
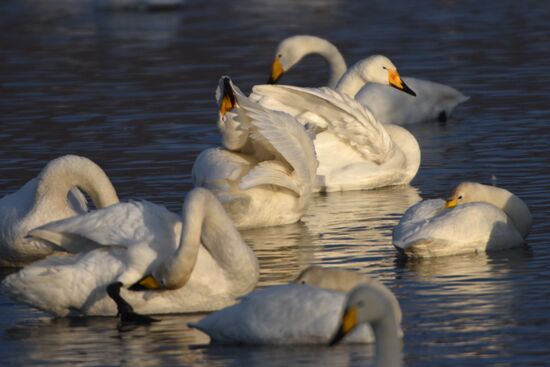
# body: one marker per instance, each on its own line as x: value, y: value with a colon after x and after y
x: 125, y: 310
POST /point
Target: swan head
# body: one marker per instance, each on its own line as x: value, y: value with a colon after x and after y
x: 368, y: 303
x: 379, y: 69
x: 466, y: 192
x: 225, y: 96
x: 289, y: 52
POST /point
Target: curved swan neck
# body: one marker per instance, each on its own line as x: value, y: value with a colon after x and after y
x: 512, y: 205
x: 205, y: 222
x: 62, y: 174
x: 388, y: 345
x: 303, y: 45
x: 353, y: 80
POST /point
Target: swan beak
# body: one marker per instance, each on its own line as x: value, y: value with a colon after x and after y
x: 147, y: 282
x: 348, y: 323
x: 396, y: 82
x: 228, y: 100
x: 451, y: 203
x: 277, y: 71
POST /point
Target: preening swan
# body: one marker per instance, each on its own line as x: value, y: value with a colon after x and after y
x: 475, y: 218
x: 200, y: 261
x: 304, y: 312
x: 265, y: 171
x: 433, y: 100
x: 51, y: 196
x: 354, y: 150
x: 374, y: 304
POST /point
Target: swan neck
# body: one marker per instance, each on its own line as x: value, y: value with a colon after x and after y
x: 206, y: 223
x: 408, y: 144
x: 388, y: 344
x: 352, y: 81
x: 335, y: 60
x: 513, y: 206
x: 62, y: 174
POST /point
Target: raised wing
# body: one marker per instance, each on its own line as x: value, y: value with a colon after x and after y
x: 345, y: 117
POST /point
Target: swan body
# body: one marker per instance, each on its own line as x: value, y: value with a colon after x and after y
x: 433, y: 100
x: 485, y: 218
x: 51, y: 196
x: 354, y: 150
x: 303, y: 312
x: 264, y: 173
x: 200, y: 260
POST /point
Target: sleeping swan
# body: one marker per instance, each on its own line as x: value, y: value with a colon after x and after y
x: 265, y: 171
x: 303, y: 312
x: 475, y: 218
x: 354, y: 150
x: 51, y: 196
x: 197, y: 262
x: 433, y: 100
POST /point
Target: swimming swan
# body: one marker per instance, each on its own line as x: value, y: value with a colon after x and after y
x: 265, y: 171
x: 199, y: 262
x: 354, y: 150
x: 374, y: 304
x: 303, y: 312
x: 433, y: 100
x: 475, y: 218
x: 51, y: 196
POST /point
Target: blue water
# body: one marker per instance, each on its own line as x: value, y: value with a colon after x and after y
x: 134, y: 91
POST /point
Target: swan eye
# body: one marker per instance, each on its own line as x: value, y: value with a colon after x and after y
x: 303, y: 282
x: 385, y: 68
x: 460, y: 197
x: 280, y: 55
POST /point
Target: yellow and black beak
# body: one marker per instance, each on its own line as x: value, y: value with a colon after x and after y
x: 147, y: 282
x: 277, y: 71
x: 451, y: 202
x: 348, y: 323
x: 396, y: 82
x: 228, y: 100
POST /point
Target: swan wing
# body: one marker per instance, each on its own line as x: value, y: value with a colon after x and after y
x: 288, y: 138
x: 120, y: 225
x: 345, y: 117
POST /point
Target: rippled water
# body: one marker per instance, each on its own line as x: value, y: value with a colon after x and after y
x: 134, y: 92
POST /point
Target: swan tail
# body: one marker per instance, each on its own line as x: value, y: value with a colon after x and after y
x: 270, y: 173
x: 69, y: 242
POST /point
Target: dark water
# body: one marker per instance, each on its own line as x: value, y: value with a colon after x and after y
x: 134, y: 92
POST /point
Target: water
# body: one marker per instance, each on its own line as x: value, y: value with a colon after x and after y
x: 134, y: 92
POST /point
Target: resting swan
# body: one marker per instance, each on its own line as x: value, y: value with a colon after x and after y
x: 354, y: 150
x: 200, y: 261
x: 433, y: 100
x: 303, y: 312
x: 51, y: 196
x: 475, y: 218
x: 265, y: 171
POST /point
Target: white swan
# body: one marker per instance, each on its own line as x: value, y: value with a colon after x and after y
x: 265, y: 172
x: 433, y: 100
x: 354, y: 150
x: 374, y: 304
x: 51, y: 196
x: 475, y: 218
x: 202, y: 263
x: 304, y: 312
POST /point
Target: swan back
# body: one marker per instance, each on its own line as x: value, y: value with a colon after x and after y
x: 514, y: 207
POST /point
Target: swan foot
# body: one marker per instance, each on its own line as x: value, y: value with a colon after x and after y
x: 442, y: 117
x: 125, y: 310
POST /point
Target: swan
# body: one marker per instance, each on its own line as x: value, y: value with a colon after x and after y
x: 51, y: 196
x: 303, y: 312
x: 197, y: 262
x: 475, y: 218
x: 433, y: 100
x: 374, y: 304
x: 264, y: 173
x: 354, y: 150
